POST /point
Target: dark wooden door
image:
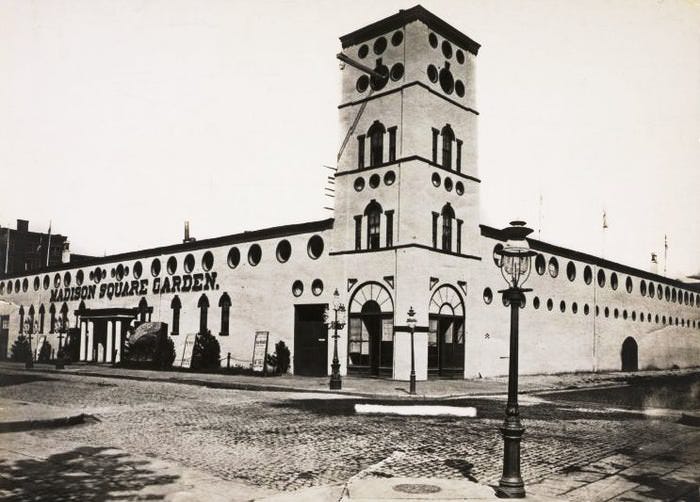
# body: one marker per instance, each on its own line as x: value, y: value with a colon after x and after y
x: 310, y: 340
x: 4, y: 336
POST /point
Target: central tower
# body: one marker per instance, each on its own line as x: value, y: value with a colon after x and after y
x: 407, y: 197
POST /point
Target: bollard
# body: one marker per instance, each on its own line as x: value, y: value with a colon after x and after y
x: 228, y: 361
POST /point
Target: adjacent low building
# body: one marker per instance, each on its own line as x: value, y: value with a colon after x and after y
x: 406, y: 233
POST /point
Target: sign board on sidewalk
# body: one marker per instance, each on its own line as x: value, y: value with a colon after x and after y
x: 260, y: 350
x: 187, y: 351
x: 39, y: 346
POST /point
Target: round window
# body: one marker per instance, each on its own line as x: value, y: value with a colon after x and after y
x: 553, y: 267
x: 586, y: 310
x: 379, y: 45
x: 363, y: 51
x: 79, y: 278
x: 448, y: 184
x: 138, y: 270
x: 25, y: 284
x: 297, y: 288
x: 459, y: 188
x: 460, y: 56
x: 120, y: 272
x: 447, y: 81
x: 574, y: 307
x: 601, y: 278
x: 254, y: 254
x: 652, y: 290
x: 536, y: 302
x: 587, y: 275
x: 315, y: 247
x: 317, y: 287
x: 9, y: 287
x: 607, y: 312
x: 432, y: 40
x: 488, y: 296
x: 540, y: 264
x: 17, y: 286
x: 47, y: 281
x: 397, y: 38
x: 189, y: 263
x: 562, y: 306
x: 642, y: 288
x: 37, y: 283
x: 374, y: 180
x: 67, y: 279
x: 172, y: 265
x: 550, y: 304
x: 459, y: 88
x: 284, y: 251
x: 628, y: 284
x: 359, y: 184
x: 207, y: 261
x: 56, y: 281
x: 446, y: 49
x: 571, y: 271
x: 613, y: 281
x: 397, y: 72
x: 362, y: 83
x: 234, y: 257
x: 389, y: 178
x: 432, y: 73
x: 155, y: 267
x: 436, y: 179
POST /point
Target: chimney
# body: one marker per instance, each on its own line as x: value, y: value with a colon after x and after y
x: 65, y: 256
x: 23, y: 225
x: 654, y: 269
x: 187, y: 232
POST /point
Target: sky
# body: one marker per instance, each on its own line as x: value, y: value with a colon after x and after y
x: 119, y: 120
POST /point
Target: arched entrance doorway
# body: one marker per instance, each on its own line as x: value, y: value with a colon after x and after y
x: 371, y: 331
x: 446, y: 333
x: 629, y: 355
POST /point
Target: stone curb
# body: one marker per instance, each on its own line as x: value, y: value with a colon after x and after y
x: 47, y: 423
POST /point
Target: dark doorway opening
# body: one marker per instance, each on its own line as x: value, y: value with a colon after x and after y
x: 446, y: 346
x: 4, y: 336
x: 99, y: 341
x: 371, y: 341
x: 629, y: 355
x: 310, y: 340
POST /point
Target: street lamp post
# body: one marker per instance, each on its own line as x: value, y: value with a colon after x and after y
x: 411, y: 323
x: 514, y: 261
x: 338, y: 322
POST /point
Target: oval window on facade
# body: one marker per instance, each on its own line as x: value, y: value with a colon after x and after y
x: 459, y: 188
x: 138, y: 270
x: 155, y: 267
x: 550, y: 304
x: 571, y: 271
x: 374, y: 181
x: 587, y: 274
x: 47, y: 282
x: 18, y: 285
x: 297, y: 288
x: 284, y: 251
x: 57, y: 281
x: 668, y: 293
x: 207, y: 261
x: 628, y: 285
x: 25, y: 284
x: 553, y: 267
x: 562, y: 306
x: 79, y: 277
x: 586, y: 309
x: 652, y: 290
x: 613, y: 281
x: 642, y: 288
x: 120, y: 272
x: 435, y: 179
x: 315, y: 247
x: 488, y: 296
x: 397, y: 38
x: 9, y: 287
x: 389, y: 178
x: 607, y: 312
x: 66, y: 279
x: 234, y: 257
x: 540, y: 264
x: 433, y: 40
x: 189, y: 263
x: 37, y: 283
x: 536, y: 302
x: 359, y: 184
x: 172, y: 265
x: 363, y: 51
x: 448, y: 184
x: 624, y: 314
x: 254, y: 254
x: 574, y: 307
x: 317, y: 287
x: 601, y: 278
x: 2, y: 288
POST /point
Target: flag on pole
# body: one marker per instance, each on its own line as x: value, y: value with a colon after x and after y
x: 605, y: 219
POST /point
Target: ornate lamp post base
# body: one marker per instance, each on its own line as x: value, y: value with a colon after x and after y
x: 29, y: 365
x: 511, y: 484
x: 336, y: 383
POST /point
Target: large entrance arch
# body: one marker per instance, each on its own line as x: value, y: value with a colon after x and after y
x: 629, y: 355
x: 446, y: 333
x: 371, y: 331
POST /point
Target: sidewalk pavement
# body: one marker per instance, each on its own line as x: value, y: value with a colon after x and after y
x: 362, y: 386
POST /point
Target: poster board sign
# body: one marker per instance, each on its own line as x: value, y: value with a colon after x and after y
x: 39, y: 345
x: 260, y: 351
x: 187, y: 351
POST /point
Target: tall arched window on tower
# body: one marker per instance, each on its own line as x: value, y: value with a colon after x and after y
x: 373, y: 211
x: 376, y: 143
x: 225, y: 304
x: 21, y: 319
x: 448, y: 137
x: 30, y: 316
x: 143, y: 310
x: 203, y: 305
x: 448, y: 215
x: 42, y: 313
x: 52, y: 322
x: 176, y: 305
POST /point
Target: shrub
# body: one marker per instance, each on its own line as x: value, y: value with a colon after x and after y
x: 21, y: 351
x: 165, y: 356
x: 280, y: 359
x: 45, y: 353
x: 206, y: 352
x: 150, y: 352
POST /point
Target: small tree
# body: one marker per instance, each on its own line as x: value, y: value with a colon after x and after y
x: 165, y: 356
x: 206, y: 352
x: 45, y: 353
x: 280, y: 359
x: 21, y: 351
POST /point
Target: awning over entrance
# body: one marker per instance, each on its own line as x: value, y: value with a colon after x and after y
x: 109, y: 313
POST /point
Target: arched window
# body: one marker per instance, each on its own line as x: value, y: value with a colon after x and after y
x: 42, y: 313
x: 373, y: 211
x: 448, y: 136
x: 203, y: 305
x: 143, y: 309
x: 376, y: 143
x: 448, y: 215
x: 21, y: 319
x: 176, y: 305
x: 64, y: 313
x: 225, y: 304
x: 30, y: 316
x: 52, y: 322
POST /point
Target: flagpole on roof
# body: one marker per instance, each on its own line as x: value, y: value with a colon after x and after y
x: 48, y: 247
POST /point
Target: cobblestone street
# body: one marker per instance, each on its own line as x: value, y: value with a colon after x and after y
x: 287, y: 441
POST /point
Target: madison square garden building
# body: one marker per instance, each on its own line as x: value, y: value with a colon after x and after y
x: 406, y: 233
